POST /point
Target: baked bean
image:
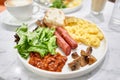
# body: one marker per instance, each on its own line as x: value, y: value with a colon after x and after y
x: 50, y: 62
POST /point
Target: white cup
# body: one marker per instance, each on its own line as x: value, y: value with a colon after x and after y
x: 20, y: 9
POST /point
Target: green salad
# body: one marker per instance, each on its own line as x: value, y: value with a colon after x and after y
x: 58, y: 4
x: 41, y: 40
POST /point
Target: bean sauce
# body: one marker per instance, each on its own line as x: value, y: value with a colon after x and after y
x: 50, y: 62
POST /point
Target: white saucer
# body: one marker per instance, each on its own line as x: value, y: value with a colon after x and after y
x: 6, y: 18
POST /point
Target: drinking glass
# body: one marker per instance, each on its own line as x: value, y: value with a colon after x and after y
x: 97, y: 6
x: 96, y: 14
x: 115, y: 17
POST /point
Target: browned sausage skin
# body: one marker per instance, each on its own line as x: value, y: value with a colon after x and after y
x: 62, y: 44
x: 73, y: 44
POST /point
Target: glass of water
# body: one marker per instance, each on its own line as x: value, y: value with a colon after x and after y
x: 115, y: 17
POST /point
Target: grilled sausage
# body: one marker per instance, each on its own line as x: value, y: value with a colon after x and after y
x: 73, y: 44
x: 62, y: 44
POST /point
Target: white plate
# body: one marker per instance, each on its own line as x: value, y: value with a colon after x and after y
x: 99, y: 53
x: 65, y: 10
x: 69, y: 10
x: 6, y: 18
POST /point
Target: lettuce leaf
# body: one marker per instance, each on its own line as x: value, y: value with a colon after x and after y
x: 41, y: 40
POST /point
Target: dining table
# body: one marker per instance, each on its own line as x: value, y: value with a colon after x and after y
x: 11, y: 68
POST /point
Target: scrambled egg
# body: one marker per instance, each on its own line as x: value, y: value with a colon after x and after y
x: 72, y: 3
x: 83, y: 31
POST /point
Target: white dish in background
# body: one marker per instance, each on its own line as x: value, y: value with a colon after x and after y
x: 99, y: 53
x: 70, y: 10
x: 65, y: 10
x: 6, y: 18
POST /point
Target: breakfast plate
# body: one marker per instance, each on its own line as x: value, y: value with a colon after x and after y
x: 60, y: 47
x: 7, y: 19
x: 99, y: 53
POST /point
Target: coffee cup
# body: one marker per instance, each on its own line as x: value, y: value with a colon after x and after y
x: 21, y: 10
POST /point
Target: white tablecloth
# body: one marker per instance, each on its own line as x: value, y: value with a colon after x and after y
x: 11, y: 67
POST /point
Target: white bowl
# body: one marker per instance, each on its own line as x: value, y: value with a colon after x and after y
x: 99, y: 53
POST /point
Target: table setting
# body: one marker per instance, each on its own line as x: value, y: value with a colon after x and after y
x: 78, y: 40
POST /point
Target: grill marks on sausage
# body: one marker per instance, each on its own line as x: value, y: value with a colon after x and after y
x: 53, y: 63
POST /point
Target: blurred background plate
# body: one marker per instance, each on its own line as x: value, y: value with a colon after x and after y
x: 72, y: 5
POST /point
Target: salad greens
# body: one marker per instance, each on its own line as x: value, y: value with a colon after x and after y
x: 41, y: 40
x: 58, y: 4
